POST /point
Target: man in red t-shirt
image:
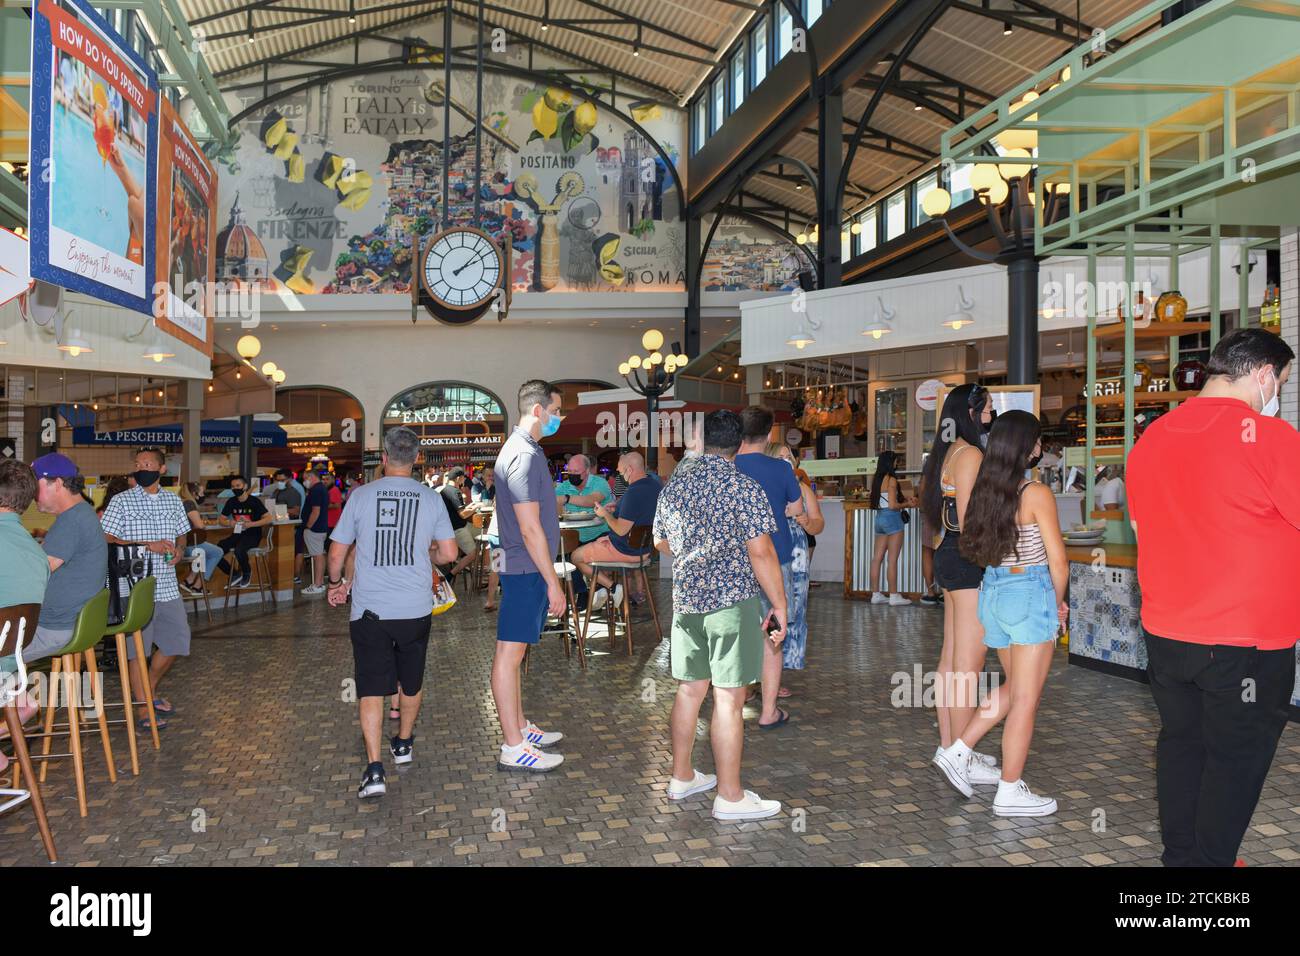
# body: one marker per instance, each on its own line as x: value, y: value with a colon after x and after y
x: 1214, y: 498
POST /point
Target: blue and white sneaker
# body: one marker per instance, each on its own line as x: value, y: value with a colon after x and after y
x: 540, y: 738
x: 526, y: 757
x: 403, y: 751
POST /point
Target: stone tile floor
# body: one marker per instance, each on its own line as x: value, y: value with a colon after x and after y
x: 259, y: 766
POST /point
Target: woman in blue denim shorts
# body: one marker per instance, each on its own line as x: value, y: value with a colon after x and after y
x: 888, y: 506
x: 1012, y: 530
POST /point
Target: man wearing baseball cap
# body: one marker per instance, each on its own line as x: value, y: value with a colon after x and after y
x: 74, y: 546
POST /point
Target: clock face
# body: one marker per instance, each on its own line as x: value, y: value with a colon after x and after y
x: 462, y: 268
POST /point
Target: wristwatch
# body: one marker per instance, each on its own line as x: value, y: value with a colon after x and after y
x: 566, y: 499
x: 334, y: 584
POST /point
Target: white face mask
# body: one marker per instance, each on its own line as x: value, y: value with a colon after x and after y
x: 1271, y: 405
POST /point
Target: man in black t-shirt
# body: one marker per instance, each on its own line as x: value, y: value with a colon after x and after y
x: 459, y: 514
x: 247, y: 516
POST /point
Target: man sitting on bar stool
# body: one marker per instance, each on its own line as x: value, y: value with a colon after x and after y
x: 636, y: 507
x: 576, y: 498
x: 75, y: 548
x: 247, y: 516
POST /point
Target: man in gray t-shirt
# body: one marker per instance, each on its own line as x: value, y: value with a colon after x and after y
x: 529, y: 530
x: 393, y: 523
x: 77, y: 552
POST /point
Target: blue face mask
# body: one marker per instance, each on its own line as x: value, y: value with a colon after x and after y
x: 552, y: 426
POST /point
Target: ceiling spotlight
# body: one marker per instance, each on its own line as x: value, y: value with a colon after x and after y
x: 916, y: 108
x: 1006, y: 29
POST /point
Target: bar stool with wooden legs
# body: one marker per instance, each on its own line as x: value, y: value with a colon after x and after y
x: 16, y: 623
x: 139, y: 611
x: 65, y: 675
x: 259, y: 566
x: 639, y: 538
x: 568, y: 621
x: 196, y: 566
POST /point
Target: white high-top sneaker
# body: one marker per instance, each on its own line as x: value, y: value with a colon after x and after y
x: 1017, y: 800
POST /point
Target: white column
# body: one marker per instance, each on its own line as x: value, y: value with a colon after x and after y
x: 1290, y: 293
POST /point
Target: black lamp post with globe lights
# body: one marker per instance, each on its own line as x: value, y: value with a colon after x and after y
x: 1007, y: 191
x: 652, y: 375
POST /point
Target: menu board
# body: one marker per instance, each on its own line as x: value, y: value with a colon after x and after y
x: 94, y: 143
x: 186, y: 221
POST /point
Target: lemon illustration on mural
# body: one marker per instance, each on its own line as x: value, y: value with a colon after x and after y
x: 606, y: 248
x: 545, y: 119
x: 584, y: 118
x: 557, y: 99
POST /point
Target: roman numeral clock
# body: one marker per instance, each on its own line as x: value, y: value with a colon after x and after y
x: 462, y: 274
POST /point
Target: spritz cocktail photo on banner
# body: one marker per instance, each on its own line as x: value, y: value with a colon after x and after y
x: 94, y: 126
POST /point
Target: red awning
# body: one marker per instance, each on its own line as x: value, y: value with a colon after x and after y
x: 586, y: 421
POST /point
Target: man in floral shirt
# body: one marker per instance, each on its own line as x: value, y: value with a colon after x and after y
x: 717, y: 524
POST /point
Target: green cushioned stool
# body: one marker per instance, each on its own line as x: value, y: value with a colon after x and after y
x: 139, y: 611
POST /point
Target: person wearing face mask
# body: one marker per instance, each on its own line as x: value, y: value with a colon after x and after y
x: 285, y: 494
x: 636, y: 507
x: 577, y: 497
x: 1214, y: 499
x: 947, y: 479
x: 247, y: 516
x: 151, y: 523
x: 528, y: 526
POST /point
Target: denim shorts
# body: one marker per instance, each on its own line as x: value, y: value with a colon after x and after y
x: 888, y: 521
x: 1018, y: 608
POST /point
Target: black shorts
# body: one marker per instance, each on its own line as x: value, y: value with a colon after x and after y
x: 952, y: 572
x: 812, y: 541
x: 388, y: 652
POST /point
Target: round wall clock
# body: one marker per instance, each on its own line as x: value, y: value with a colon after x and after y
x: 461, y: 271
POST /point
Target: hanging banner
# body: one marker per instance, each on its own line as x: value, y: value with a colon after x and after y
x: 186, y: 223
x: 94, y: 140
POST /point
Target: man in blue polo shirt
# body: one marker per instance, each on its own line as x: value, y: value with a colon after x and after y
x: 781, y: 486
x: 636, y: 507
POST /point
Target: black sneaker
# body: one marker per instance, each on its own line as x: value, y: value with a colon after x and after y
x: 930, y: 600
x: 403, y: 751
x: 372, y: 782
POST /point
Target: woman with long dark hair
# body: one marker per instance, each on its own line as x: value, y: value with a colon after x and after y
x: 888, y: 524
x: 114, y: 487
x: 1011, y: 528
x: 947, y: 480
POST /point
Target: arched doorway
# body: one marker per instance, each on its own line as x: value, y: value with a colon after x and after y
x: 458, y: 423
x: 323, y: 424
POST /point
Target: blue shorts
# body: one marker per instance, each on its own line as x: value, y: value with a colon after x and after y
x: 1018, y: 608
x: 888, y: 521
x: 523, y: 608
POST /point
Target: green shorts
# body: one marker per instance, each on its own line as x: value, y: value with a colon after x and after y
x: 724, y: 646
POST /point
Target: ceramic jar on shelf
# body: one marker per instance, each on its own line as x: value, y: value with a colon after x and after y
x: 1171, y: 307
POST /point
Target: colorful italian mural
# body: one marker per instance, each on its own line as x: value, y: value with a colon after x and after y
x: 328, y: 190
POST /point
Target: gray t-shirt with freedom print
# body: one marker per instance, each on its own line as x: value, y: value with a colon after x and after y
x: 393, y: 522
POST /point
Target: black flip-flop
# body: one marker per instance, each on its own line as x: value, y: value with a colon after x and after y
x: 783, y: 719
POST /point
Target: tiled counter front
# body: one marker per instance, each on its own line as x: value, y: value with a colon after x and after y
x: 1106, y: 625
x: 1104, y: 617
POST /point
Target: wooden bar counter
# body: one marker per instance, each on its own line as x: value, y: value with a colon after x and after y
x: 281, y: 559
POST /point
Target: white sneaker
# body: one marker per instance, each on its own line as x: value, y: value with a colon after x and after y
x: 540, y: 738
x: 983, y: 770
x: 957, y: 771
x: 598, y: 599
x: 526, y: 757
x: 897, y: 600
x: 618, y: 595
x: 1017, y: 800
x: 699, y: 783
x: 748, y: 807
x: 314, y: 589
x: 880, y: 597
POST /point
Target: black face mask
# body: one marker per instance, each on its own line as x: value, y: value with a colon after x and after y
x: 146, y: 479
x: 238, y: 492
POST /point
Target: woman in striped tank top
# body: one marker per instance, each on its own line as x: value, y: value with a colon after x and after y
x: 1012, y: 530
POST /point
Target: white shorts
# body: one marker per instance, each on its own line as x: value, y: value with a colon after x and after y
x: 315, y: 542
